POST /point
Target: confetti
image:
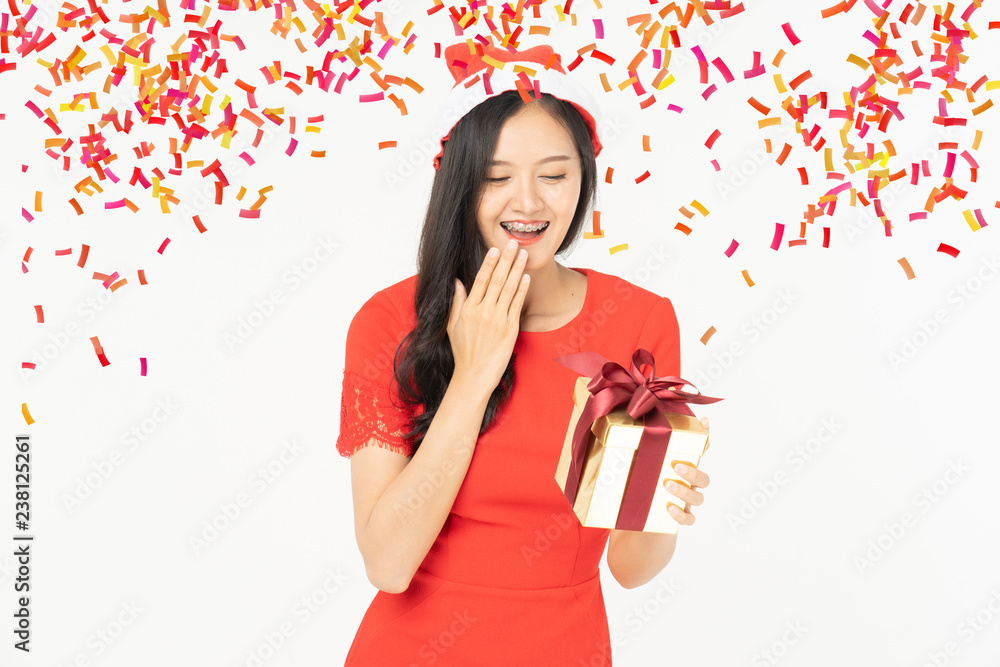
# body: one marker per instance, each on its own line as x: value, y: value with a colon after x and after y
x: 789, y: 34
x: 27, y: 415
x: 906, y: 268
x: 948, y: 250
x: 99, y: 351
x: 711, y: 139
x: 618, y: 248
x: 732, y: 248
x: 142, y: 366
x: 596, y: 231
x: 779, y: 230
x: 705, y: 337
x: 746, y: 277
x: 39, y: 315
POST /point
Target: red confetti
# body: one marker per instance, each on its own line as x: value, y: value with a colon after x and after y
x: 948, y: 250
x: 711, y: 139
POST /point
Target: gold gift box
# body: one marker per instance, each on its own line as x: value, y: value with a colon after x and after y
x: 613, y: 441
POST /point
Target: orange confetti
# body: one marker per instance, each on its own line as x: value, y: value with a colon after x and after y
x: 705, y: 337
x: 906, y: 268
x: 597, y: 232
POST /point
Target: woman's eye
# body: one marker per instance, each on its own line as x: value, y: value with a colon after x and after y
x: 504, y: 178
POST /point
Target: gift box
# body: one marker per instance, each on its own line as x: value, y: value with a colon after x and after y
x: 616, y: 457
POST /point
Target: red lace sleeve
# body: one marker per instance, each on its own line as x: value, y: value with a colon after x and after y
x: 367, y: 417
x: 371, y: 412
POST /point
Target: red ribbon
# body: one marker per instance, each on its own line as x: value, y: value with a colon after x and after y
x: 611, y: 386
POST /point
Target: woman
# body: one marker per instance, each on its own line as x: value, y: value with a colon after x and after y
x: 478, y: 556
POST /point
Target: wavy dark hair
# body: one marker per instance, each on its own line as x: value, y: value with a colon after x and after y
x: 451, y: 246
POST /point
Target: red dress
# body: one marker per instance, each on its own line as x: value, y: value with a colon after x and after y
x: 513, y: 577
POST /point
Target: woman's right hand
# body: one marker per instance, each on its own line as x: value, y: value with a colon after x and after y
x: 484, y: 324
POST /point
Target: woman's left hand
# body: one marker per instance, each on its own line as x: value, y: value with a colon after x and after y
x: 691, y: 496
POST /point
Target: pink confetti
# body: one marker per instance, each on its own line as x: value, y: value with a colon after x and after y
x: 789, y: 34
x: 721, y: 66
x: 779, y: 231
x: 732, y: 248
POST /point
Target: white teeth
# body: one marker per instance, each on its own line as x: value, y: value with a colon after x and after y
x: 524, y: 228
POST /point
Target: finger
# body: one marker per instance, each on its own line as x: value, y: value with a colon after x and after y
x: 514, y: 311
x: 458, y: 298
x: 513, y: 283
x: 500, y: 272
x: 483, y: 277
x: 683, y: 492
x: 695, y: 478
x: 679, y: 515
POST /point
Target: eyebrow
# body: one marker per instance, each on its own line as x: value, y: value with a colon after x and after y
x: 551, y: 158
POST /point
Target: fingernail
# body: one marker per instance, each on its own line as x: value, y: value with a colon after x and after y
x: 680, y: 468
x: 493, y: 252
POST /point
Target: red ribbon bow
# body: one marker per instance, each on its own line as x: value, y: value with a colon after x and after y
x: 611, y: 386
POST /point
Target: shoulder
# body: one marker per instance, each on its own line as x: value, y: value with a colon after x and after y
x: 614, y: 293
x: 388, y: 309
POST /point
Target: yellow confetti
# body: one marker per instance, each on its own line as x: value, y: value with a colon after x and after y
x: 971, y: 219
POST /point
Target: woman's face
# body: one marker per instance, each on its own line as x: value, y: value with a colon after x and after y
x: 535, y: 177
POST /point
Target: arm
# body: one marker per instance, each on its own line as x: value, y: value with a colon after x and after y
x: 634, y: 557
x: 401, y: 503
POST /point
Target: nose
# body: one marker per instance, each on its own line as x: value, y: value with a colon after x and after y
x: 526, y: 198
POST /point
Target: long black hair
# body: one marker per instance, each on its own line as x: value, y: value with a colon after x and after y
x: 451, y: 246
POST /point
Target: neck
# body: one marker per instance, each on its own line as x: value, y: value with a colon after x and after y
x: 548, y: 291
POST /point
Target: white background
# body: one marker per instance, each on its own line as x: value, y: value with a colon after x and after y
x: 814, y: 518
